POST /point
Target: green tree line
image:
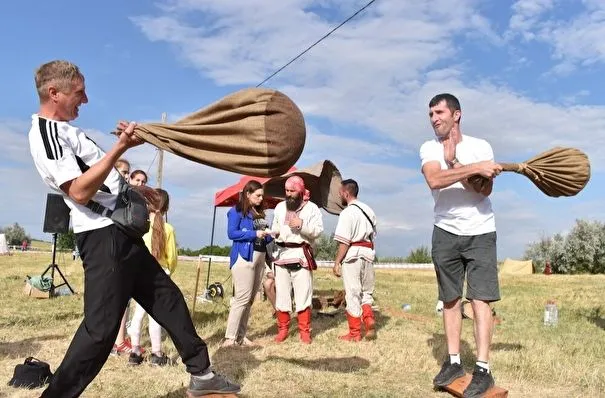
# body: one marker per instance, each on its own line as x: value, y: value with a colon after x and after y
x: 325, y: 249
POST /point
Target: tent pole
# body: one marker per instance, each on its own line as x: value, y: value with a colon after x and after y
x: 211, y: 246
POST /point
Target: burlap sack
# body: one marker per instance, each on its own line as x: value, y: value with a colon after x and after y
x: 257, y: 131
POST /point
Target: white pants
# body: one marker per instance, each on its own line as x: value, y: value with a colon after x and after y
x: 247, y: 277
x: 155, y: 330
x: 358, y: 280
x: 302, y: 282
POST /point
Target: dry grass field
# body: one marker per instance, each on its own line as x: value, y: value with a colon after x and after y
x: 528, y: 359
x: 41, y: 245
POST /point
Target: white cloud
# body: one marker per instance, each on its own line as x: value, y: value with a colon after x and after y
x: 378, y: 72
x: 23, y: 198
x: 526, y: 13
x: 575, y: 39
x: 575, y: 98
x: 399, y: 195
x: 13, y: 140
x: 376, y: 75
x: 371, y: 82
x: 580, y: 40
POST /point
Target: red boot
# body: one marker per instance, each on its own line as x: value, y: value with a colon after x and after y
x: 354, y: 329
x: 283, y: 324
x: 304, y: 325
x: 368, y: 321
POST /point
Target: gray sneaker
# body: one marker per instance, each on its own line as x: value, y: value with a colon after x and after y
x: 216, y: 385
x: 135, y: 359
x: 159, y: 360
x: 448, y: 373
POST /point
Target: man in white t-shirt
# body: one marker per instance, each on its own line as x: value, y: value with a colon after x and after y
x: 116, y: 266
x: 460, y: 169
x: 355, y: 234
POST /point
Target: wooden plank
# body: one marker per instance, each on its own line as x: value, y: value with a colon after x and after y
x: 212, y: 396
x: 408, y: 315
x: 457, y: 388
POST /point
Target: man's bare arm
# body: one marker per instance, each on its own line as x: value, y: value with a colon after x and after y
x: 84, y: 187
x: 340, y: 255
x: 437, y: 178
x: 482, y: 185
x: 343, y: 248
x: 477, y: 183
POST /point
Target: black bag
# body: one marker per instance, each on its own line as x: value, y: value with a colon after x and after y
x: 33, y: 373
x: 130, y: 214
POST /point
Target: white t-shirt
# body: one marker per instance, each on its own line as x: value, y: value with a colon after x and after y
x: 61, y: 153
x: 459, y: 210
x: 353, y: 226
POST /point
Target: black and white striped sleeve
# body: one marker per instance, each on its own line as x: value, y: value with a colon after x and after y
x: 56, y: 153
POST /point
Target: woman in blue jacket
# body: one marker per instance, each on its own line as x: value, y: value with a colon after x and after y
x: 247, y: 228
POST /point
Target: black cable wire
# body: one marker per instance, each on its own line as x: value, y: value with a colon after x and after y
x: 316, y: 43
x: 284, y: 67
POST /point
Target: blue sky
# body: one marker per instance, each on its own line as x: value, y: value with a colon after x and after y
x: 527, y: 73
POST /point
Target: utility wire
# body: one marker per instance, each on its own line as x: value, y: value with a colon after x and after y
x: 316, y: 43
x: 154, y: 157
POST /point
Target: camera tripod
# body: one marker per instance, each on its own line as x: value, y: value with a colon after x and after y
x: 52, y: 267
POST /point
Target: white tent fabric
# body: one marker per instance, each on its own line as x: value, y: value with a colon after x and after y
x: 3, y: 245
x: 517, y: 267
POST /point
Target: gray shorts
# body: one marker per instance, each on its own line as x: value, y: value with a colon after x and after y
x: 455, y: 255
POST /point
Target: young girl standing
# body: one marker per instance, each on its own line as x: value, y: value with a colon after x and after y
x: 161, y: 242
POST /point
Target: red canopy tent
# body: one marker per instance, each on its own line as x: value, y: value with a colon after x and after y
x: 322, y: 179
x: 228, y: 197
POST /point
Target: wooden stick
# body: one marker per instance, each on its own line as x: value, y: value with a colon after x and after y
x: 197, y: 281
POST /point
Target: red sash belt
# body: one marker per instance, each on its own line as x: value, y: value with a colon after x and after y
x: 307, y: 250
x: 364, y: 243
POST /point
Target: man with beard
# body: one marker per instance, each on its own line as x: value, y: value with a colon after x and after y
x: 297, y: 223
x: 355, y: 233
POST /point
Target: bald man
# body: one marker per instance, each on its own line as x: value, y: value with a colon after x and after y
x: 297, y: 223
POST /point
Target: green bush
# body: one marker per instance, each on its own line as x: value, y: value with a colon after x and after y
x: 206, y: 250
x: 581, y: 251
x: 385, y: 260
x: 66, y: 241
x: 420, y: 255
x: 326, y: 248
x: 15, y: 235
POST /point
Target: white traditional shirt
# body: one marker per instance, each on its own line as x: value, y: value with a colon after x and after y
x: 312, y: 227
x: 354, y: 226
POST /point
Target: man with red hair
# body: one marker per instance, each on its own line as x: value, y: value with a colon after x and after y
x: 297, y: 223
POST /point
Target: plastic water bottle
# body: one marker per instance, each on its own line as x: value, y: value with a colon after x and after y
x: 551, y: 313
